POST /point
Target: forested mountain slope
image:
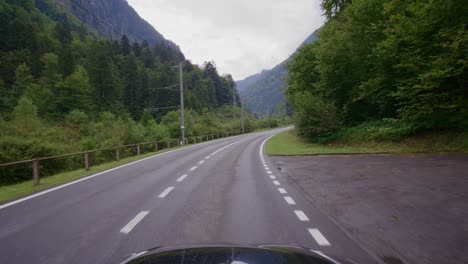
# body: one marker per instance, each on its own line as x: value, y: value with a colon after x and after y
x: 64, y: 88
x: 110, y: 18
x: 264, y: 91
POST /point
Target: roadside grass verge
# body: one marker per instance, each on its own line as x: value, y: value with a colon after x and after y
x: 289, y: 143
x: 14, y: 191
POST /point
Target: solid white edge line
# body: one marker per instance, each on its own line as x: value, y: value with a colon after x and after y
x: 181, y: 178
x: 126, y: 229
x: 289, y: 200
x: 277, y: 183
x: 282, y: 191
x: 193, y: 168
x: 300, y: 214
x: 166, y: 192
x: 319, y: 238
x: 29, y: 197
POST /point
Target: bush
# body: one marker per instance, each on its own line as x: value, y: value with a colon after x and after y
x: 16, y: 149
x: 385, y: 129
x: 314, y: 117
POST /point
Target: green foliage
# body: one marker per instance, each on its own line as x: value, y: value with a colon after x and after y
x: 314, y: 116
x: 375, y: 60
x: 64, y: 90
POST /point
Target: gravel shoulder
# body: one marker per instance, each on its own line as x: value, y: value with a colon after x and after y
x: 402, y: 208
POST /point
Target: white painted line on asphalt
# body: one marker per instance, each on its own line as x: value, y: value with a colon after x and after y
x: 182, y: 178
x: 193, y: 168
x: 201, y: 162
x: 269, y: 172
x: 282, y: 190
x: 272, y: 177
x: 109, y: 170
x: 276, y: 183
x: 126, y: 229
x: 207, y: 157
x: 301, y: 215
x: 321, y: 240
x: 166, y: 192
x: 289, y: 200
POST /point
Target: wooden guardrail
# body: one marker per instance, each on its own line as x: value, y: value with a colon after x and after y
x: 158, y: 145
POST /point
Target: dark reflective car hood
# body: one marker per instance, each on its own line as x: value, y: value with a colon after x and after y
x: 232, y: 254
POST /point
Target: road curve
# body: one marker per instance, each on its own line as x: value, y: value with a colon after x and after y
x: 223, y: 191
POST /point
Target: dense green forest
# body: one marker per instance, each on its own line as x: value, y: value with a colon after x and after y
x: 65, y: 89
x: 386, y: 68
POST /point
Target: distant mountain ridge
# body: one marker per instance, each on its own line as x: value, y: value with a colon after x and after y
x: 263, y: 93
x: 112, y: 19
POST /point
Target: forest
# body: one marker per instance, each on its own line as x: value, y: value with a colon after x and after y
x: 64, y: 89
x: 384, y: 69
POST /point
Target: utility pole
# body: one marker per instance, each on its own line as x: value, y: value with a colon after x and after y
x: 242, y: 114
x: 182, y: 123
x: 269, y: 116
x: 234, y: 101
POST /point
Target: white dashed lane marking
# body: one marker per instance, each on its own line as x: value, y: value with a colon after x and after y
x: 319, y: 238
x: 314, y: 232
x: 126, y: 229
x: 282, y: 190
x: 289, y: 200
x: 166, y: 192
x: 193, y: 168
x: 182, y: 178
x: 201, y: 162
x: 300, y: 214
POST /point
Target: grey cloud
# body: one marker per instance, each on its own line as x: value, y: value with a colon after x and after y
x: 241, y: 36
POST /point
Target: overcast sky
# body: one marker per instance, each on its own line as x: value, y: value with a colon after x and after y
x: 243, y: 37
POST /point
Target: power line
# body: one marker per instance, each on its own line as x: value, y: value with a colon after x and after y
x: 166, y: 88
x: 160, y: 108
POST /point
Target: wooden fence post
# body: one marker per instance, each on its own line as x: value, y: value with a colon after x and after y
x: 138, y: 149
x: 168, y: 144
x: 117, y: 154
x: 36, y: 171
x: 86, y: 160
x: 156, y: 146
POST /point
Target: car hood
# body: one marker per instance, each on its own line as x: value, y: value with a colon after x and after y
x: 232, y: 254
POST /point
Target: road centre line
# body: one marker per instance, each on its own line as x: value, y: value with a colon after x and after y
x: 181, y: 178
x: 300, y: 214
x: 126, y: 229
x: 193, y: 168
x: 29, y: 197
x: 319, y: 238
x: 269, y: 172
x: 282, y: 191
x: 289, y: 200
x: 201, y: 162
x: 166, y: 192
x: 276, y: 183
x: 272, y: 177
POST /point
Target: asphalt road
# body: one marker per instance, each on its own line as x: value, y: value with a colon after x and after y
x: 215, y: 192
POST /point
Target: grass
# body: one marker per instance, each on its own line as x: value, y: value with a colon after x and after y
x: 289, y: 143
x: 14, y: 191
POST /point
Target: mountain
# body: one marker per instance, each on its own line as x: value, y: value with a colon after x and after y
x: 110, y: 18
x: 263, y: 93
